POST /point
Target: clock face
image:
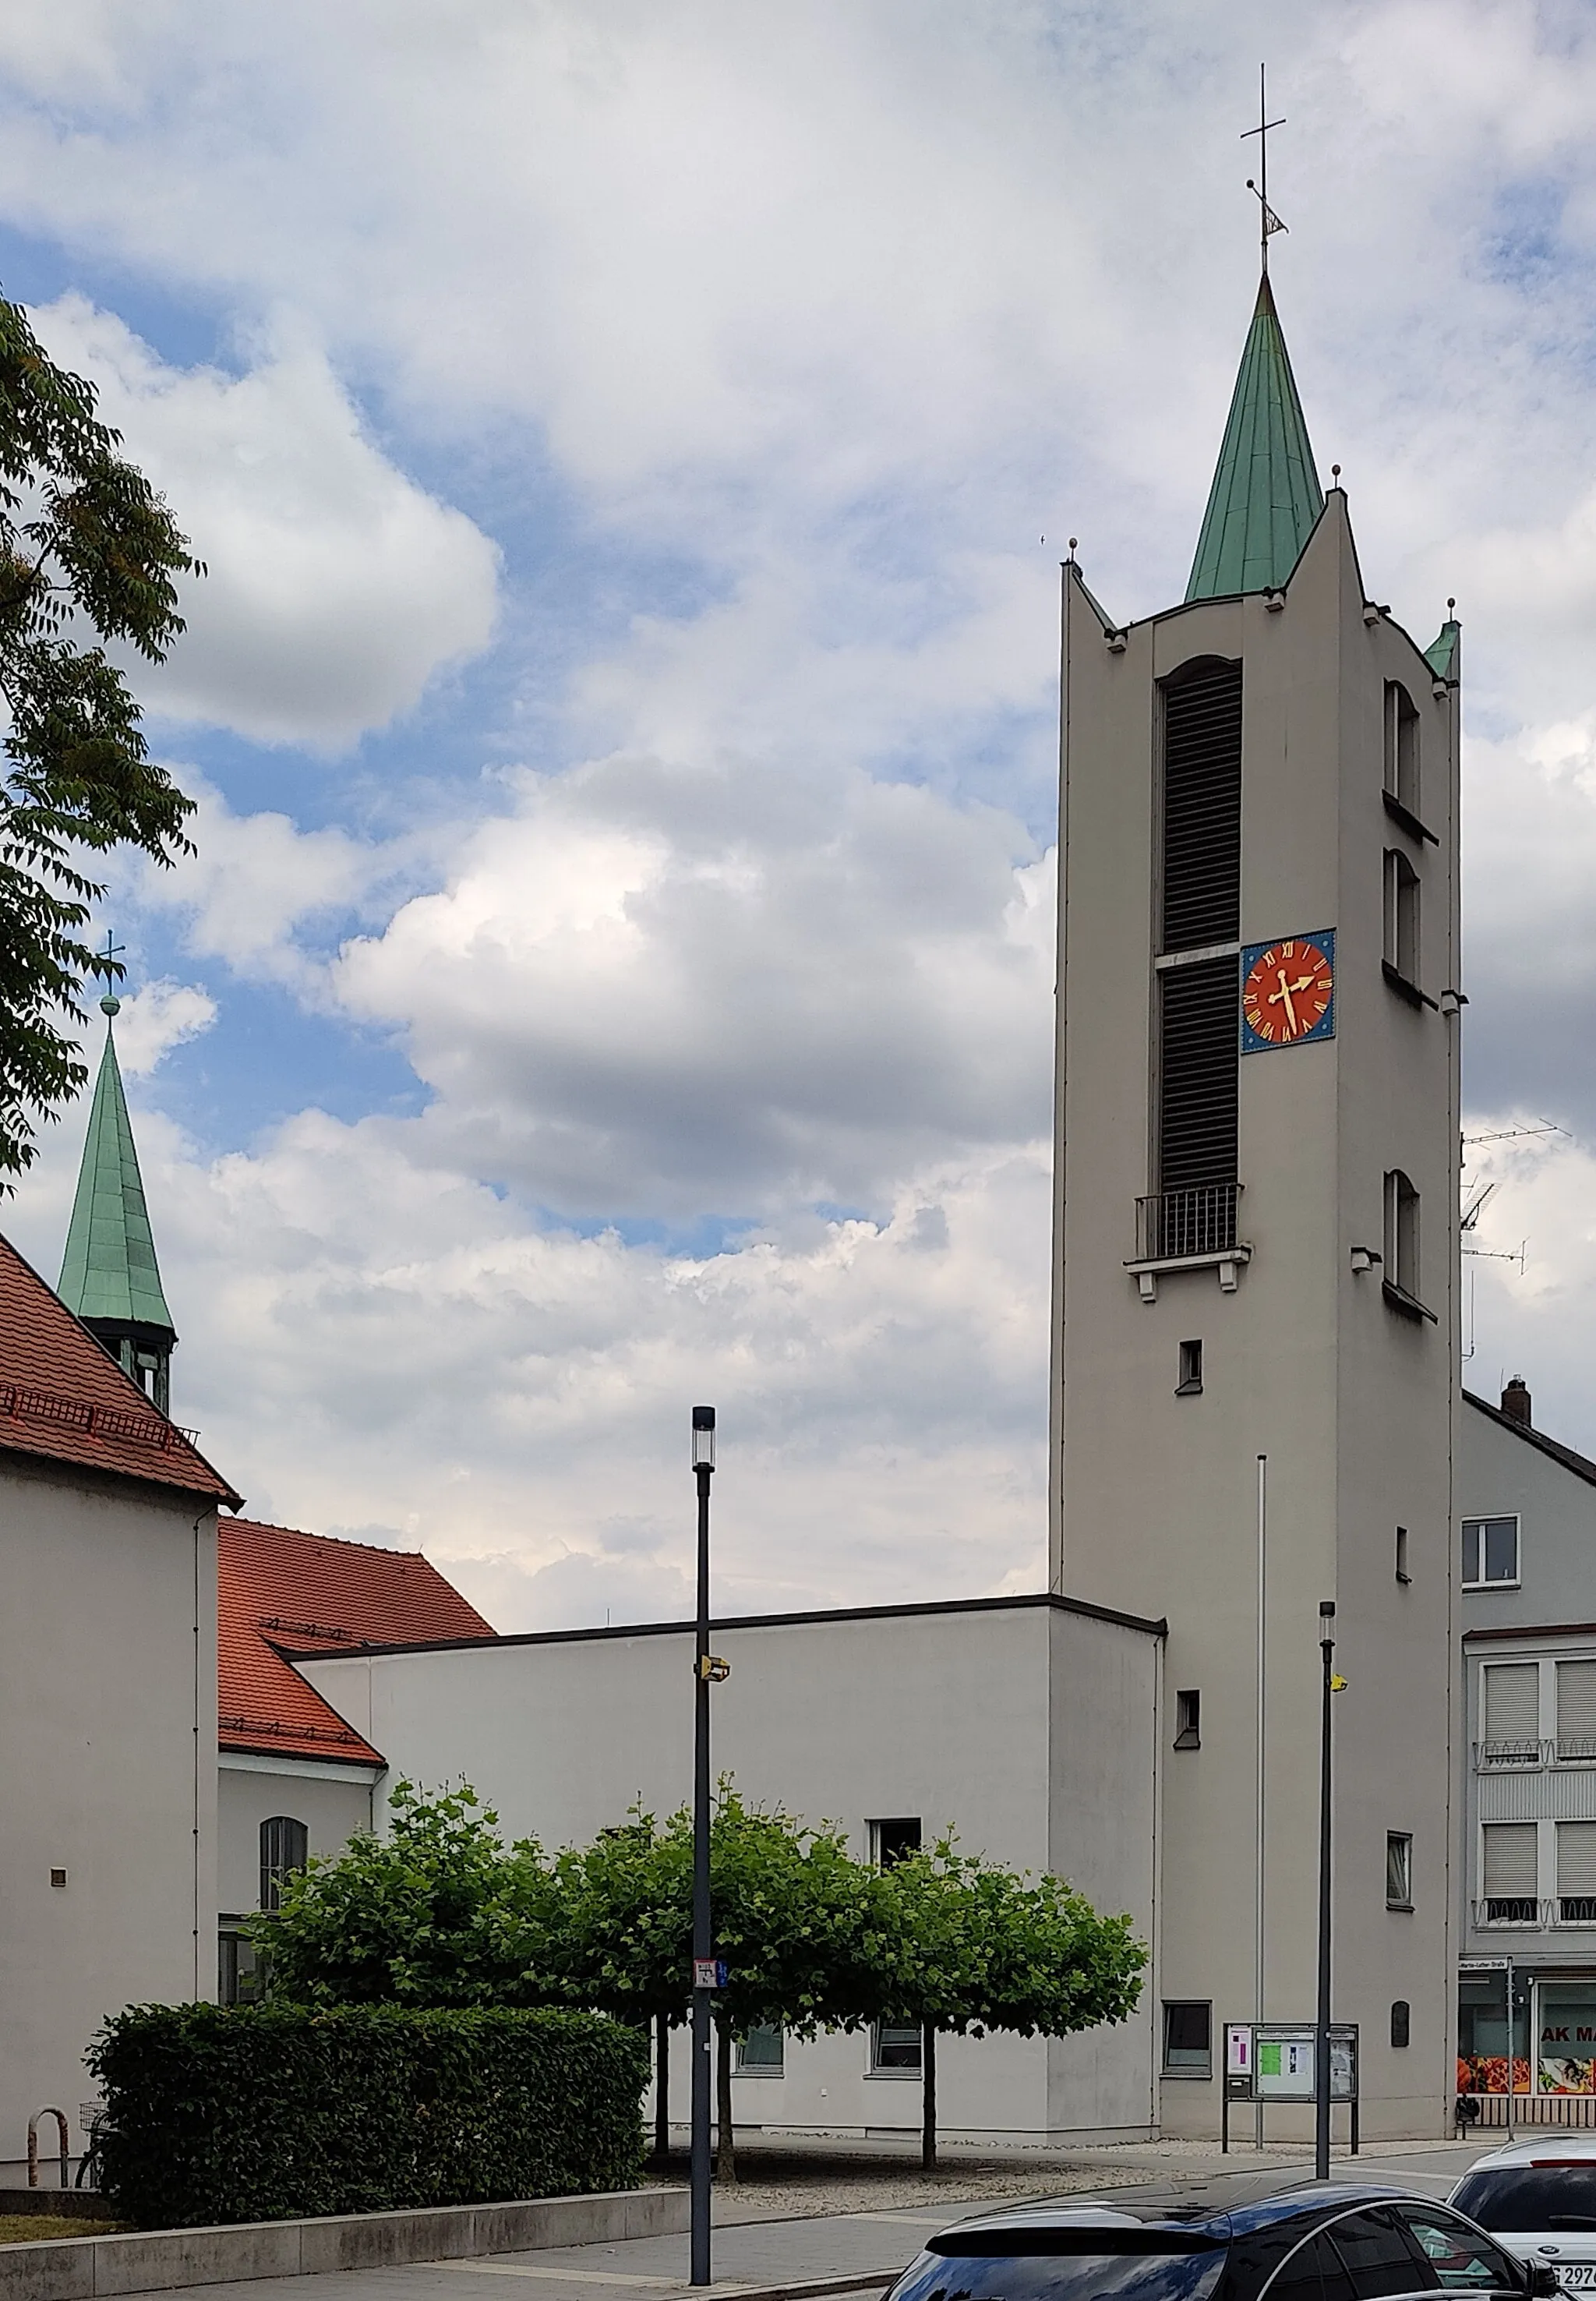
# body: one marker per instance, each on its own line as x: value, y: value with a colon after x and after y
x: 1288, y: 992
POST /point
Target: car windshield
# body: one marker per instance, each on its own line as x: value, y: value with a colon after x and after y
x: 1514, y: 2198
x: 1064, y: 2273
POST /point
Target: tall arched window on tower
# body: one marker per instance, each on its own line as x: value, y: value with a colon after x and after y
x: 1402, y: 919
x: 285, y: 1848
x: 1401, y: 747
x: 1402, y: 1245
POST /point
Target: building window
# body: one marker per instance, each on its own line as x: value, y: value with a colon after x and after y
x: 760, y: 2054
x: 1200, y: 895
x: 1491, y: 1554
x: 1188, y: 1719
x: 894, y: 2049
x: 1401, y: 746
x: 1576, y: 1873
x: 285, y: 1848
x: 1402, y: 1573
x: 1401, y: 918
x: 1510, y: 1707
x: 1576, y: 1710
x: 890, y: 1841
x: 1190, y: 1381
x: 1398, y: 1870
x: 1188, y: 2037
x: 1401, y: 1234
x: 238, y: 1975
x: 1510, y: 1862
x: 1401, y: 2022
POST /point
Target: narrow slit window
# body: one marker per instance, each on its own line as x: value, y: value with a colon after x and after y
x: 1190, y: 1367
x: 1401, y: 1234
x: 1188, y: 1719
x: 1401, y: 918
x: 1401, y: 746
x: 1402, y: 1573
x: 1398, y: 1870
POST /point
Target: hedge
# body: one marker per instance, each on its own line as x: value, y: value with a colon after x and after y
x: 267, y: 2113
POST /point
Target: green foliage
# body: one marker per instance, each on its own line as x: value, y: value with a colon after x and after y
x: 978, y: 1947
x: 436, y: 1914
x: 441, y: 1913
x: 85, y: 546
x: 797, y: 1921
x: 266, y: 2112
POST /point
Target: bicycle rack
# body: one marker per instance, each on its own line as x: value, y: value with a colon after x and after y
x: 60, y: 2117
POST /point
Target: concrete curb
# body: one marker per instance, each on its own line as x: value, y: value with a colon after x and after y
x: 80, y: 2268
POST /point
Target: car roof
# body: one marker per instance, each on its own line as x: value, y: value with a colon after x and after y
x: 1550, y: 2147
x: 1224, y: 2206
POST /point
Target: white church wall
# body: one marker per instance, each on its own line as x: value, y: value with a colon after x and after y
x: 108, y: 1722
x: 332, y: 1802
x: 961, y: 1716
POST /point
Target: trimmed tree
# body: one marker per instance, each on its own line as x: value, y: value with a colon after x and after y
x: 88, y: 553
x: 980, y: 1948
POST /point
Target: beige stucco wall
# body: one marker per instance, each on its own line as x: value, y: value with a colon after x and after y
x: 108, y: 1724
x: 1029, y: 1731
x: 1155, y: 1507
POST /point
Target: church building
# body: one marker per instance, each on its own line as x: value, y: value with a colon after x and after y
x: 1258, y: 1439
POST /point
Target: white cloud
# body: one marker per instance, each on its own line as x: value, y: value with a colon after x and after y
x: 370, y: 1341
x: 660, y: 989
x: 337, y: 588
x: 153, y: 1020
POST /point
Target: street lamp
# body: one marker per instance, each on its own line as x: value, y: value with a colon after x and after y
x: 704, y: 1972
x: 1322, y: 2025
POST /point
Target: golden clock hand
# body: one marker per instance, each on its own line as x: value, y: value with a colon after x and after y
x: 1283, y: 996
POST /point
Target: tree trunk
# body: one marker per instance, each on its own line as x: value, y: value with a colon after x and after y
x: 928, y: 2098
x: 662, y: 2091
x: 725, y: 2156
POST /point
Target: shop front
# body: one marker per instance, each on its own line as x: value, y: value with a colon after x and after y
x: 1537, y: 2022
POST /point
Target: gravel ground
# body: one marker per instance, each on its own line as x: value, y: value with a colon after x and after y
x: 802, y: 2193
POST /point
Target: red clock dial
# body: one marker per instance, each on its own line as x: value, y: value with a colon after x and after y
x: 1288, y: 992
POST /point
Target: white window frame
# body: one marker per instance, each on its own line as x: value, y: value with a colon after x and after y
x: 1404, y: 1838
x: 742, y: 2068
x: 1494, y: 1518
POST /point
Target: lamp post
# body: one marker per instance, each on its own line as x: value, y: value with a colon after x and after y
x: 1322, y: 2024
x: 702, y: 1949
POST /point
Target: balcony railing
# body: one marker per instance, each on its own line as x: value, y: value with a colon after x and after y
x: 1577, y: 1909
x: 1191, y: 1222
x: 1490, y: 1757
x: 1512, y: 1909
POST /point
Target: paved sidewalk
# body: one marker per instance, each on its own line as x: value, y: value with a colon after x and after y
x: 756, y: 2252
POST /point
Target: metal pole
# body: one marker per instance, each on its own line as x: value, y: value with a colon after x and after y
x: 1322, y: 2025
x: 1257, y: 1914
x: 1512, y: 2062
x: 702, y: 1938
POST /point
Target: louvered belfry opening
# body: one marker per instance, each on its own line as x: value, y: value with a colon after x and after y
x: 1200, y: 905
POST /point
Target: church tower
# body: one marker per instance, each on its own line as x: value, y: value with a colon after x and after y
x: 108, y: 1274
x: 1255, y: 1249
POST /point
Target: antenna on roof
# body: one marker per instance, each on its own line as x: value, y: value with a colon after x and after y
x: 1268, y: 222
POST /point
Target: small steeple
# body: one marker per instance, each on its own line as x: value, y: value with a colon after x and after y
x: 109, y: 1274
x: 1265, y: 495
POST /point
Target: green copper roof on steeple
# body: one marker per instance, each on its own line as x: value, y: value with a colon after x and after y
x: 1265, y: 495
x: 1442, y: 653
x: 109, y: 1269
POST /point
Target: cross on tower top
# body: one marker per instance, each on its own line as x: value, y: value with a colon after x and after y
x: 1268, y: 222
x: 105, y: 965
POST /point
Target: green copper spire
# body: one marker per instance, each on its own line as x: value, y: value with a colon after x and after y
x: 1265, y: 495
x: 108, y: 1274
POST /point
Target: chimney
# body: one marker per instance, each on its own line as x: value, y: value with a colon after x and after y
x: 1515, y: 1401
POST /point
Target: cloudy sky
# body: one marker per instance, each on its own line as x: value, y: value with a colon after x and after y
x: 632, y: 442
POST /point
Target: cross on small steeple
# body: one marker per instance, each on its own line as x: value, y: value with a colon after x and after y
x: 104, y: 964
x: 1269, y: 222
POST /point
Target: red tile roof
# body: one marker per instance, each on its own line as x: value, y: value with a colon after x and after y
x: 63, y: 1397
x: 280, y: 1592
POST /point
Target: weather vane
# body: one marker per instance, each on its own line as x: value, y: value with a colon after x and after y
x: 1269, y: 222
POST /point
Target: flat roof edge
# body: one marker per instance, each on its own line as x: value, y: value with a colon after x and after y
x: 1052, y: 1600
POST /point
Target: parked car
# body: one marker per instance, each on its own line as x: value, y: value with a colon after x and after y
x: 1317, y: 2242
x: 1538, y: 2199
